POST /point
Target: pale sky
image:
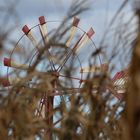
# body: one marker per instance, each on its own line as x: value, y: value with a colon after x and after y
x: 98, y: 16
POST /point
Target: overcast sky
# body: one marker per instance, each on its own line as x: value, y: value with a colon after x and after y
x: 99, y: 14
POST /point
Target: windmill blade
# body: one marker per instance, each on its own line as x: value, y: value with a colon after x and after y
x: 9, y: 82
x: 115, y: 93
x: 10, y: 63
x: 120, y: 86
x: 103, y: 67
x: 43, y: 29
x: 68, y: 55
x: 86, y: 38
x: 5, y: 82
x: 73, y: 30
x: 120, y: 81
x: 31, y: 37
x: 76, y: 46
x: 118, y: 75
x: 90, y: 69
x: 72, y: 33
x: 120, y: 78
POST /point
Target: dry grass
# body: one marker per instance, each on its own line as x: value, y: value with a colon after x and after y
x: 84, y: 116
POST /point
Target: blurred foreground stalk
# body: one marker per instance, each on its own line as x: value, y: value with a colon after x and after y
x: 132, y: 115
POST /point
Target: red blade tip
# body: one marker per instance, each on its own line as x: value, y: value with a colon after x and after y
x: 25, y: 29
x: 5, y: 83
x: 7, y: 62
x: 90, y: 32
x: 42, y: 20
x: 75, y: 21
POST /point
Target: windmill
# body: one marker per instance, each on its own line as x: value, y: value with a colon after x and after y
x: 72, y: 52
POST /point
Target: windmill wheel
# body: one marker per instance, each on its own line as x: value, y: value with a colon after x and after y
x: 56, y: 59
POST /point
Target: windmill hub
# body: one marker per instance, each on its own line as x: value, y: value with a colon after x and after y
x: 53, y: 73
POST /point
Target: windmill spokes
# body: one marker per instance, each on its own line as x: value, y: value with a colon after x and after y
x: 31, y: 37
x: 86, y: 38
x: 83, y: 40
x: 43, y: 29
